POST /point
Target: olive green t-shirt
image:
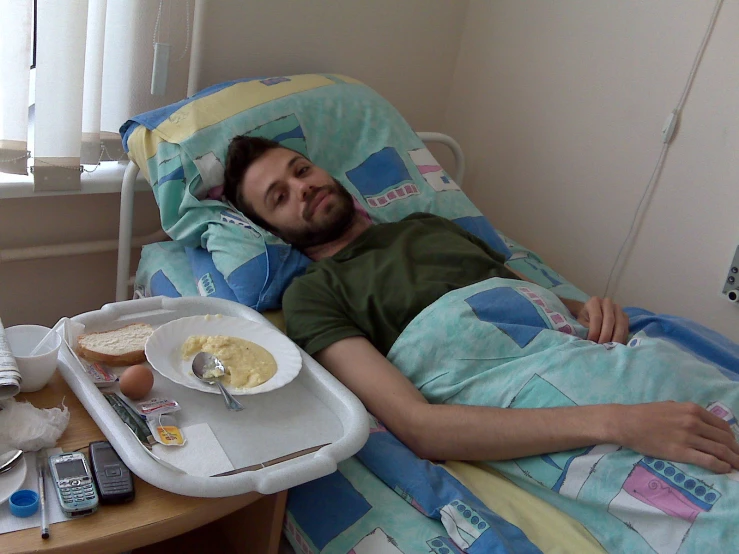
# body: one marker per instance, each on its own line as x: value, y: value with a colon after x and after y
x: 378, y: 283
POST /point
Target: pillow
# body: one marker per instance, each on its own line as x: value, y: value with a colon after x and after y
x: 164, y: 271
x: 168, y: 269
x: 339, y: 123
x: 208, y: 279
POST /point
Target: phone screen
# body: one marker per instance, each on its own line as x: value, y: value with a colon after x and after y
x: 72, y: 468
x: 105, y: 455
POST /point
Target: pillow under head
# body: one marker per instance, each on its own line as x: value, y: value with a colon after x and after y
x: 339, y: 123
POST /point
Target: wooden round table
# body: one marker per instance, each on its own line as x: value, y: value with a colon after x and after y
x: 154, y: 515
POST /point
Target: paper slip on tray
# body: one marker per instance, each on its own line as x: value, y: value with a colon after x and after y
x: 282, y: 438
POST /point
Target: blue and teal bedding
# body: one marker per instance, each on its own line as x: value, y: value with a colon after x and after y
x: 513, y: 344
x: 528, y: 352
x: 171, y: 269
x: 385, y: 499
x: 384, y: 494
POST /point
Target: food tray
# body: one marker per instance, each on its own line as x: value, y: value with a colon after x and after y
x: 314, y: 409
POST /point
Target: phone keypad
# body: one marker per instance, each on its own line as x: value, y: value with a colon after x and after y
x: 113, y: 487
x: 114, y: 480
x: 80, y: 493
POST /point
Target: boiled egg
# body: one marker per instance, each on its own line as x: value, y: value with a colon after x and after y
x: 136, y: 382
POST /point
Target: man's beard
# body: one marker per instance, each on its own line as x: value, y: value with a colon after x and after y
x: 336, y: 221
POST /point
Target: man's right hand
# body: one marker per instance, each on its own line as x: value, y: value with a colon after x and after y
x: 679, y: 432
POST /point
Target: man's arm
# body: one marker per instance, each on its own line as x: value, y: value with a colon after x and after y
x: 681, y: 432
x: 605, y: 320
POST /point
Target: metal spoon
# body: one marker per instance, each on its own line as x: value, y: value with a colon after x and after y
x: 206, y: 363
x: 9, y: 459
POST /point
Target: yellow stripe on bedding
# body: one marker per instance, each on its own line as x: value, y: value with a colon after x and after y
x: 230, y: 101
x: 548, y: 528
x: 349, y: 80
x: 143, y: 145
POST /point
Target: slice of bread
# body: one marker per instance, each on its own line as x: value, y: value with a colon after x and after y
x: 124, y: 346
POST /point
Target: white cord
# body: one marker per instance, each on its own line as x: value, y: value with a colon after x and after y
x: 699, y: 56
x: 187, y: 38
x: 156, y: 25
x: 638, y: 213
x: 158, y: 21
x: 81, y: 168
x: 169, y: 21
x: 667, y: 135
x: 22, y: 156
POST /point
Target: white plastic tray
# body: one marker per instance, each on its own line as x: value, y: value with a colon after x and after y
x: 312, y: 410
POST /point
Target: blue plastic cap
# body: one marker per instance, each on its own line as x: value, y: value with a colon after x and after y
x: 23, y: 503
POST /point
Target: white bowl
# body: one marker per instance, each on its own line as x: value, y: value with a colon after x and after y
x: 35, y: 370
x: 164, y: 350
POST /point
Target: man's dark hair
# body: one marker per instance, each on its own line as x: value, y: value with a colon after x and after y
x: 242, y: 152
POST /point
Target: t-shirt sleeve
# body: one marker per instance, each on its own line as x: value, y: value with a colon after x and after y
x: 314, y: 319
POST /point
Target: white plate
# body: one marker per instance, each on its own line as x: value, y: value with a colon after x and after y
x: 164, y: 350
x: 12, y: 480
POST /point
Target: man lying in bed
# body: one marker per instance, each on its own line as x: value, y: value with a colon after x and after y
x: 368, y: 284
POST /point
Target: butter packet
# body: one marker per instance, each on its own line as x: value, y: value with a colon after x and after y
x: 101, y: 376
x: 165, y: 430
x: 157, y: 406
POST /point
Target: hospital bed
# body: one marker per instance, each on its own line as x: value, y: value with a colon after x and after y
x: 384, y: 499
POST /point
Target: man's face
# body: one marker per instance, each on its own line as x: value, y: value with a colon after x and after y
x: 304, y: 204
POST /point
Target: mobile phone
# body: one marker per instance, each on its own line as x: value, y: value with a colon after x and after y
x: 73, y: 483
x: 113, y: 479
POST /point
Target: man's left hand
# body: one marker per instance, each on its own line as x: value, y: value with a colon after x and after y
x: 605, y: 320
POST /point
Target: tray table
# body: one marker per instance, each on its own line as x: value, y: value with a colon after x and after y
x: 314, y: 414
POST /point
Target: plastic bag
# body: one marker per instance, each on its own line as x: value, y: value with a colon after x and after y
x: 28, y: 428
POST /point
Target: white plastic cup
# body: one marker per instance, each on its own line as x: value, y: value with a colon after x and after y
x: 36, y: 370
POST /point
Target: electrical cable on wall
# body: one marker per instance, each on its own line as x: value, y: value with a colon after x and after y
x: 668, y: 133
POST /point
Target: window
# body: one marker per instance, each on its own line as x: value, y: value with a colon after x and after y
x: 90, y: 69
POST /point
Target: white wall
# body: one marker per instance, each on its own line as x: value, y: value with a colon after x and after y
x: 43, y: 291
x: 559, y: 106
x: 404, y: 50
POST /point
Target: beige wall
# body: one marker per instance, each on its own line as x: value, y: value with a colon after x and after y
x: 43, y: 291
x: 405, y: 50
x: 559, y: 106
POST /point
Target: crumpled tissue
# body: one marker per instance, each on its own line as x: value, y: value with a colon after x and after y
x: 28, y: 428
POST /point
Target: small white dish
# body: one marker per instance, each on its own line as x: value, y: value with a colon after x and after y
x: 164, y: 350
x: 12, y: 480
x: 36, y: 371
